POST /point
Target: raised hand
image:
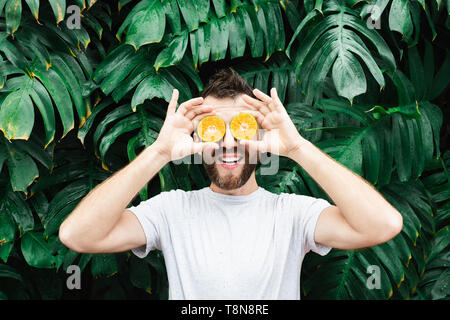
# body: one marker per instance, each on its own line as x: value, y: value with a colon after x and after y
x: 280, y: 136
x: 174, y: 139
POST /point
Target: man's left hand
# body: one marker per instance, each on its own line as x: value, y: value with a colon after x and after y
x: 280, y: 136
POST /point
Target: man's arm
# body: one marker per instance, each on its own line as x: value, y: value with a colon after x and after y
x: 361, y: 217
x: 100, y: 222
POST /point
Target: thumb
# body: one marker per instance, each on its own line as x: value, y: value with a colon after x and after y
x: 173, y: 102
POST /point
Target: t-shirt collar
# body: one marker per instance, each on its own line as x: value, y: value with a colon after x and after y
x: 232, y: 198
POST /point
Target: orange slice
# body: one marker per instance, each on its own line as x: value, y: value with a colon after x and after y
x: 211, y: 129
x: 243, y: 126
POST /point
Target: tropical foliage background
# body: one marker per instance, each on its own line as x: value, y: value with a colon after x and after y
x: 366, y: 81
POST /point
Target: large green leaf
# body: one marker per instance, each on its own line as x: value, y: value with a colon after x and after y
x: 103, y: 265
x: 42, y: 100
x: 237, y: 38
x: 153, y: 86
x: 254, y: 33
x: 172, y: 12
x: 57, y: 89
x: 59, y: 9
x: 13, y: 15
x: 22, y: 169
x: 348, y: 76
x: 68, y: 76
x: 190, y: 15
x: 329, y: 44
x: 140, y: 275
x: 63, y: 203
x: 147, y: 25
x: 18, y: 209
x: 9, y: 272
x: 37, y: 250
x: 349, y: 268
x: 59, y: 77
x: 120, y: 72
x: 17, y: 114
x: 173, y: 53
x: 400, y: 19
x: 387, y: 128
x: 220, y: 31
x: 7, y: 232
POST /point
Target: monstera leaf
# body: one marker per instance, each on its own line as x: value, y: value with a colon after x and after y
x: 13, y: 10
x: 435, y: 281
x: 348, y: 272
x: 210, y: 28
x: 22, y: 158
x: 334, y: 42
x: 404, y: 16
x: 37, y: 78
x: 76, y: 105
x: 15, y: 215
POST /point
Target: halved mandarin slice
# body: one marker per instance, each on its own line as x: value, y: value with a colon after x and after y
x: 243, y: 126
x: 211, y: 129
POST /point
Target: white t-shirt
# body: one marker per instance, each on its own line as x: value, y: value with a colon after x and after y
x: 218, y: 246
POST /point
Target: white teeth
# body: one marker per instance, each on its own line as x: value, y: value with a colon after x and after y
x: 231, y: 160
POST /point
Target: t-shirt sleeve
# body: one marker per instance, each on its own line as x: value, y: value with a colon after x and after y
x: 151, y: 217
x: 306, y: 212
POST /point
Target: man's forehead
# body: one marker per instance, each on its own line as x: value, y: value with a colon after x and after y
x: 227, y: 104
x: 225, y: 108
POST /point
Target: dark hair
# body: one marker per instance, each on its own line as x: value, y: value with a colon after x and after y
x: 226, y: 83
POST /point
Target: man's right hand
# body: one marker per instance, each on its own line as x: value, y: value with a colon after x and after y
x: 174, y: 140
x: 100, y: 223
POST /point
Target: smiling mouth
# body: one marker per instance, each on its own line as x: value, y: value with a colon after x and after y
x: 230, y: 161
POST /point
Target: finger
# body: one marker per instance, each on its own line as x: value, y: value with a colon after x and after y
x: 193, y: 112
x: 192, y: 102
x: 257, y: 104
x: 270, y: 102
x: 258, y: 116
x: 173, y: 102
x: 276, y: 99
x: 262, y: 96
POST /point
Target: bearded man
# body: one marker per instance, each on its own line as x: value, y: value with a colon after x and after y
x: 233, y: 239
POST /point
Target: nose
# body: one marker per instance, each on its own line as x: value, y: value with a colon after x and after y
x: 229, y: 142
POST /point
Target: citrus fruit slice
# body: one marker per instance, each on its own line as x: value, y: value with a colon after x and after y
x: 243, y: 126
x: 211, y: 129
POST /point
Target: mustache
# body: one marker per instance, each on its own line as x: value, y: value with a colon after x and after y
x: 240, y: 151
x: 210, y: 157
x: 228, y: 182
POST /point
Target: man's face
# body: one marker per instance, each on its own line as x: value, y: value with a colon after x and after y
x: 233, y: 165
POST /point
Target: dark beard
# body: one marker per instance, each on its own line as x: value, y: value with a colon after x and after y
x: 230, y: 182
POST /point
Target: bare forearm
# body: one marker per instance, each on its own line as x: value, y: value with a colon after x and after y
x: 362, y: 206
x: 99, y: 211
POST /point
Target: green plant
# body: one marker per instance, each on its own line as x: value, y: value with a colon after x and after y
x: 78, y: 104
